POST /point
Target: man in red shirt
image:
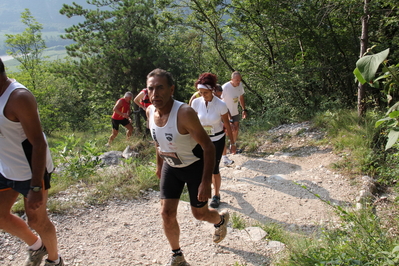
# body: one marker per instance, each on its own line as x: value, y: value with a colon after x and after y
x: 121, y: 117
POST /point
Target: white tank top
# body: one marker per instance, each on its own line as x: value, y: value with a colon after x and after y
x: 176, y: 149
x: 15, y: 149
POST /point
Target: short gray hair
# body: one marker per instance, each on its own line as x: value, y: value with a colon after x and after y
x: 128, y: 94
x: 162, y: 73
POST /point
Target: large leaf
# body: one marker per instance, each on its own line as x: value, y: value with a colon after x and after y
x: 379, y: 122
x: 392, y: 138
x: 359, y: 76
x: 368, y: 65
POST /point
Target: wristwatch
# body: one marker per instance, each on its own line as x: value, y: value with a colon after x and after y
x: 35, y: 189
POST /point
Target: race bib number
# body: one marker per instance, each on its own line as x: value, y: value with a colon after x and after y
x: 209, y: 130
x: 235, y: 100
x: 171, y: 158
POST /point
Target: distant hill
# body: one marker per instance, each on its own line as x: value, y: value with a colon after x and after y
x: 45, y: 12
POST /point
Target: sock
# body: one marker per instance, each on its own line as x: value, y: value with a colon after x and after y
x: 225, y: 157
x: 38, y: 244
x: 177, y: 252
x: 55, y: 261
x: 221, y: 221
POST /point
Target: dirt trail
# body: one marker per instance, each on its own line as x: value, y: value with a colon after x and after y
x: 257, y: 189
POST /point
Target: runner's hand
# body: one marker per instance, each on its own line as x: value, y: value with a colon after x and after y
x: 34, y: 200
x: 204, y: 192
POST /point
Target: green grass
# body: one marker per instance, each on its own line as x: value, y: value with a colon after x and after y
x: 358, y: 240
x: 75, y: 152
x: 237, y: 221
x: 253, y: 133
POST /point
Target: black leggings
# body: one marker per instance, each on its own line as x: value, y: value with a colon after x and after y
x: 219, y: 147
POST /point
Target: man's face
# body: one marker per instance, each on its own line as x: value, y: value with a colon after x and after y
x: 159, y: 91
x: 218, y: 93
x: 235, y: 81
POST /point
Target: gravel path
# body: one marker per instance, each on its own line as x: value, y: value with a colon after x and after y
x: 258, y: 189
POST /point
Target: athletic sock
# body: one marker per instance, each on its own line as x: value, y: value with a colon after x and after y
x: 38, y: 244
x: 177, y: 252
x: 55, y: 261
x: 221, y: 221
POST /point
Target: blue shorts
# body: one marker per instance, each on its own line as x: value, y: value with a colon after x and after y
x: 173, y: 180
x: 22, y: 187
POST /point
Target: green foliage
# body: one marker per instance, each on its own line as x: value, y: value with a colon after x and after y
x: 360, y: 239
x: 75, y: 160
x: 122, y: 38
x: 361, y: 145
x: 19, y: 206
x: 126, y: 182
x: 28, y: 46
x: 352, y: 137
x: 237, y: 221
x: 365, y: 71
x: 78, y: 167
x: 185, y: 196
x: 367, y: 66
x: 275, y: 232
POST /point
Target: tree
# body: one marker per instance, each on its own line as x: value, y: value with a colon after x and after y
x: 116, y: 46
x: 28, y: 46
x: 361, y: 105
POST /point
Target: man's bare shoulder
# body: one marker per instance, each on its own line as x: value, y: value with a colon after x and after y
x: 186, y: 110
x: 187, y: 119
x: 22, y: 95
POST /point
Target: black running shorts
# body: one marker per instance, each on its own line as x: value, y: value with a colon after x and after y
x: 173, y: 180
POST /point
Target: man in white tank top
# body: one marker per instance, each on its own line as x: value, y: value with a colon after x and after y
x: 25, y: 167
x: 185, y: 155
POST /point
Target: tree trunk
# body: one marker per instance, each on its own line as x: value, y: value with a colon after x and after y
x: 361, y: 94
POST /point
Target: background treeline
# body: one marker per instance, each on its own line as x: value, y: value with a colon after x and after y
x: 296, y: 56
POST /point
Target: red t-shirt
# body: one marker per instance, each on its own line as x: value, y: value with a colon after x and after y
x: 145, y: 100
x: 123, y: 109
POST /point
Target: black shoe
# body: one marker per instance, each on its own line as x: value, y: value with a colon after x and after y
x: 215, y: 202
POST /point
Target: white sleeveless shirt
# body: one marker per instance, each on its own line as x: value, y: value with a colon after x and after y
x: 176, y: 149
x: 15, y: 149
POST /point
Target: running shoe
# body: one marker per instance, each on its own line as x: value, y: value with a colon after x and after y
x: 52, y: 263
x: 221, y: 231
x: 35, y: 256
x: 215, y: 202
x: 177, y: 261
x: 227, y: 162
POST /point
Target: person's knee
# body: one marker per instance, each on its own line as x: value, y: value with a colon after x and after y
x: 168, y: 215
x: 114, y: 133
x: 199, y: 215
